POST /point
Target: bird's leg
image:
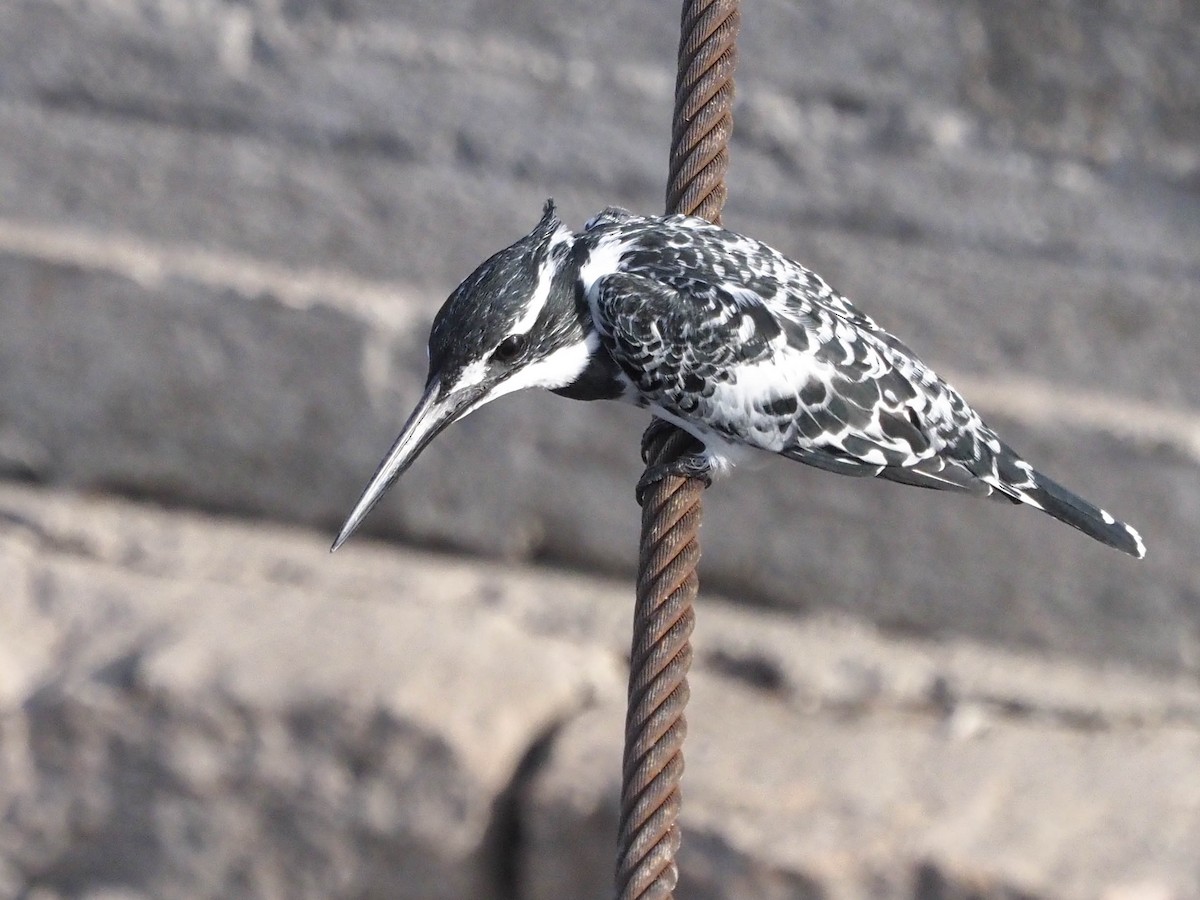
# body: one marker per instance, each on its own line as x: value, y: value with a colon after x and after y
x: 690, y: 464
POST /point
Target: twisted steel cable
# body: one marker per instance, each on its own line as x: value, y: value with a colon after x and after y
x: 658, y: 690
x: 703, y: 119
x: 655, y: 727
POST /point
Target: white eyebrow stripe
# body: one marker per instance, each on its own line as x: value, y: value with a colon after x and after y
x: 541, y: 293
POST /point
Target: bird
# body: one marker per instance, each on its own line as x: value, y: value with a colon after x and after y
x: 724, y: 337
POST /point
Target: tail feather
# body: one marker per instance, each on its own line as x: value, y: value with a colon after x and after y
x: 1016, y: 480
x: 1050, y: 496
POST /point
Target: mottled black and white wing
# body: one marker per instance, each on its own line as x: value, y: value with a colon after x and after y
x: 739, y: 345
x: 808, y: 387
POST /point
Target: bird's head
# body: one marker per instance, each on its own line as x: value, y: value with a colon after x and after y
x: 513, y: 324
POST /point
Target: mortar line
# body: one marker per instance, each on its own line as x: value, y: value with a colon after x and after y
x: 151, y: 265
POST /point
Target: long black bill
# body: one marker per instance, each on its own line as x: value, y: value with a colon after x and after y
x: 434, y: 412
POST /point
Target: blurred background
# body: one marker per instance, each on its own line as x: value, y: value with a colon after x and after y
x: 225, y: 226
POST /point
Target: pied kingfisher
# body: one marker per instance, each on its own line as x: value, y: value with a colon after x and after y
x: 727, y: 339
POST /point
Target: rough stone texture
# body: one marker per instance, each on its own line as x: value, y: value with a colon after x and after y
x: 199, y: 711
x: 166, y: 386
x: 782, y: 803
x: 224, y: 227
x: 192, y: 707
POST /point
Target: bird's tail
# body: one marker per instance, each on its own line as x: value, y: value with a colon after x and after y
x: 1032, y: 487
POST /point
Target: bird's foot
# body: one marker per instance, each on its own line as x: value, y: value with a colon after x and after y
x: 690, y: 465
x: 690, y: 460
x: 658, y: 431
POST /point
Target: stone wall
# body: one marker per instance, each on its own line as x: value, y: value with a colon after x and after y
x: 226, y: 224
x: 195, y: 708
x: 224, y: 228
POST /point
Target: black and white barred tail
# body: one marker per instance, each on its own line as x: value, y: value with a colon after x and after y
x: 1093, y: 521
x: 1048, y: 495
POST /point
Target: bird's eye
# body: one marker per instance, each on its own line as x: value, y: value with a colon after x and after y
x: 508, y: 349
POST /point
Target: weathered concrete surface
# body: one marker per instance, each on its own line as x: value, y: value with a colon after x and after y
x: 224, y: 227
x: 192, y: 710
x: 786, y: 804
x: 1040, y: 128
x: 192, y: 707
x: 237, y: 386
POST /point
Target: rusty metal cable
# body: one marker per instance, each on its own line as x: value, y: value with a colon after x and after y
x: 703, y: 118
x: 661, y: 654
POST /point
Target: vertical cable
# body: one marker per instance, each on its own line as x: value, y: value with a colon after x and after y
x: 655, y: 727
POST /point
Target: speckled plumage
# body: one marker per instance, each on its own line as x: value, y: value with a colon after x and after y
x: 751, y: 348
x: 730, y: 340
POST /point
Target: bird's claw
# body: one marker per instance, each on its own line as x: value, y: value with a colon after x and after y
x: 658, y: 430
x: 690, y: 465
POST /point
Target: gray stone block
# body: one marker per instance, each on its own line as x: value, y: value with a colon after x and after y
x: 195, y: 707
x: 333, y: 123
x: 190, y: 712
x: 223, y: 229
x: 203, y: 203
x: 277, y: 397
x: 251, y: 392
x: 786, y: 805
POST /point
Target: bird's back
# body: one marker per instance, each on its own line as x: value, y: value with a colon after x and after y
x: 739, y: 344
x: 722, y: 328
